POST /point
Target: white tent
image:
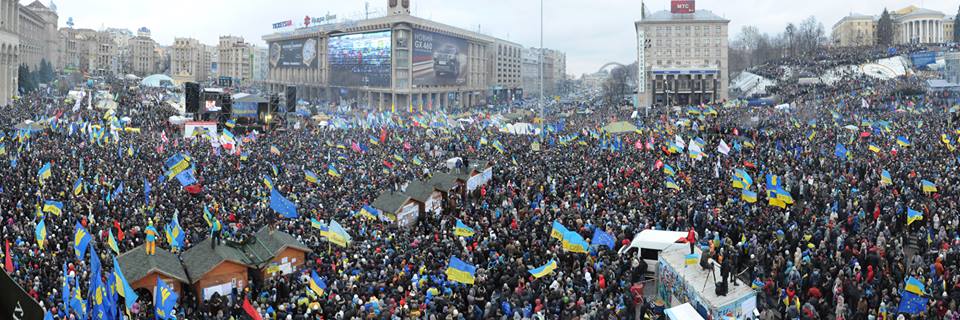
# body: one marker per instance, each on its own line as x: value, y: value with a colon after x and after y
x: 520, y: 128
x: 683, y: 312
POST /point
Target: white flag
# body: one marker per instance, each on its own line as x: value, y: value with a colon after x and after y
x: 679, y: 142
x: 723, y: 148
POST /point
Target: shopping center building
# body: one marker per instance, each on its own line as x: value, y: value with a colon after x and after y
x: 397, y: 61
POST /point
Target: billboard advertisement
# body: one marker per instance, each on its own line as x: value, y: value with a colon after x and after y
x: 438, y: 59
x: 682, y: 6
x: 360, y: 60
x: 296, y: 53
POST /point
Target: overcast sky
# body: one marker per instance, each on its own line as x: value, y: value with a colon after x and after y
x: 591, y: 32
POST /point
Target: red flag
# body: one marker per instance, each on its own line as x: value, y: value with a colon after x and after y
x: 194, y: 188
x: 388, y: 164
x: 250, y: 310
x: 116, y: 224
x: 658, y: 165
x: 383, y: 135
x: 8, y: 260
x: 355, y: 147
x: 749, y: 164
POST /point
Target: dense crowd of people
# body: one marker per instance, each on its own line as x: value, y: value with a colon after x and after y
x: 842, y: 250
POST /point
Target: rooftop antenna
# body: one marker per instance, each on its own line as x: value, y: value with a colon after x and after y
x: 366, y: 10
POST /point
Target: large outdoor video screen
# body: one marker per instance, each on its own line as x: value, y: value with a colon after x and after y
x: 358, y: 60
x: 438, y: 59
x: 296, y: 53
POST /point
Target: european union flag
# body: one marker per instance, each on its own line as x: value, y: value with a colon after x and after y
x: 912, y: 303
x: 164, y: 299
x: 281, y: 205
x: 601, y: 238
x: 840, y: 151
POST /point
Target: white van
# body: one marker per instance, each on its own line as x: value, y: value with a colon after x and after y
x: 648, y: 244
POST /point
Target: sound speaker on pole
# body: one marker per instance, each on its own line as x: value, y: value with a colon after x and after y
x: 192, y: 97
x: 291, y: 99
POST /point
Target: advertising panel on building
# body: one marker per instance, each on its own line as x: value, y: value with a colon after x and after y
x: 438, y: 59
x: 360, y: 60
x: 296, y: 53
x: 683, y: 6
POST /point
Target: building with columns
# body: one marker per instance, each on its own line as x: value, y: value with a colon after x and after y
x: 39, y: 39
x: 910, y: 25
x: 392, y: 62
x: 919, y: 25
x: 9, y: 49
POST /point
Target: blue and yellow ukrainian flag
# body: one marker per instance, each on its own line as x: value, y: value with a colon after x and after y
x: 915, y: 286
x: 274, y: 150
x: 54, y: 207
x: 397, y: 157
x: 544, y: 270
x: 316, y: 224
x: 460, y: 271
x: 112, y: 243
x: 557, y: 230
x: 574, y: 242
x: 913, y: 215
x: 44, y: 172
x: 41, y: 233
x: 671, y: 184
x: 928, y: 186
x: 311, y: 177
x: 885, y: 178
x: 332, y: 171
x: 903, y: 142
x: 810, y: 135
x: 462, y: 230
x: 267, y: 181
x: 78, y: 187
x: 874, y: 148
x: 231, y: 123
x: 499, y: 146
x: 122, y: 286
x: 417, y: 161
x: 748, y: 196
x: 669, y: 170
x: 691, y: 259
x: 369, y: 212
x: 317, y: 285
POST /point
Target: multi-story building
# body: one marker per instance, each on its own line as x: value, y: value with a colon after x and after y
x: 910, y: 25
x: 39, y: 39
x: 396, y: 61
x: 213, y: 61
x: 121, y: 38
x: 189, y: 61
x: 236, y: 60
x: 88, y: 51
x: 9, y: 44
x: 682, y: 56
x: 855, y: 30
x: 143, y: 54
x: 507, y: 76
x: 554, y: 70
x: 260, y: 65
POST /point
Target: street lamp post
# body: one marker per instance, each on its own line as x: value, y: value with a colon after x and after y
x: 542, y: 120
